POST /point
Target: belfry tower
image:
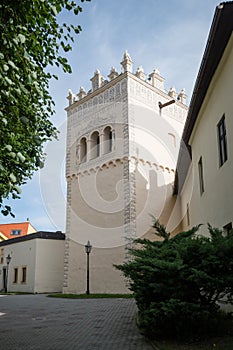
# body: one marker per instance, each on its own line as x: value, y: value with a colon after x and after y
x: 122, y: 145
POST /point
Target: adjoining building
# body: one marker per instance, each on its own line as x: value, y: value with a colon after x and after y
x: 204, y: 181
x: 123, y: 141
x: 32, y: 263
x: 19, y: 229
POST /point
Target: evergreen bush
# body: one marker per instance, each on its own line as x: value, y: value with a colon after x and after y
x: 180, y: 282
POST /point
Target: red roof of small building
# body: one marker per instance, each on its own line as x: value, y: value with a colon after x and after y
x: 15, y: 229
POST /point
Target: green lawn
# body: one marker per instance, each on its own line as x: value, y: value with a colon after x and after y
x: 225, y: 343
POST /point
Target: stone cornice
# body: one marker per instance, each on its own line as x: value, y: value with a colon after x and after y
x: 114, y: 162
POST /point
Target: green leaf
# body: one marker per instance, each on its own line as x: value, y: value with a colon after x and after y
x: 9, y: 81
x: 12, y: 177
x: 22, y: 38
x: 18, y: 189
x: 21, y: 157
x: 54, y: 10
x: 5, y: 67
x: 8, y: 147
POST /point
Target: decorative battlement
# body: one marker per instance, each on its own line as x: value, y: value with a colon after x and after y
x: 154, y: 79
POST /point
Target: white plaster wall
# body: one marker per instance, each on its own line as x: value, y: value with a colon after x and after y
x: 43, y: 259
x: 104, y: 278
x: 216, y: 203
x: 97, y: 207
x: 154, y: 137
x: 49, y: 265
x: 22, y: 255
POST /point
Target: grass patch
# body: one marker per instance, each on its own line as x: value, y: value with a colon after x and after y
x: 224, y: 343
x: 90, y: 296
x: 222, y: 339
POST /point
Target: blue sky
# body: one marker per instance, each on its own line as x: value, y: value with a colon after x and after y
x: 166, y: 34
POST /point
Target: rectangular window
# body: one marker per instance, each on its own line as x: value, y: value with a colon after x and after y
x: 2, y: 256
x: 15, y: 275
x: 222, y: 141
x: 188, y: 215
x: 24, y: 275
x: 227, y: 228
x: 98, y: 147
x: 15, y: 232
x: 201, y: 176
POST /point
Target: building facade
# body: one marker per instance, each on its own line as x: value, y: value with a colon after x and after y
x: 35, y: 265
x: 205, y: 188
x: 122, y: 145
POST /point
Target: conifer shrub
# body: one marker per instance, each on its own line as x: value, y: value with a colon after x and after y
x: 180, y: 282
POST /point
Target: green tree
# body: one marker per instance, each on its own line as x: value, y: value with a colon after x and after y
x: 179, y: 282
x: 31, y: 41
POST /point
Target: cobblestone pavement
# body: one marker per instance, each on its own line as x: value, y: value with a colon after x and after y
x: 34, y: 322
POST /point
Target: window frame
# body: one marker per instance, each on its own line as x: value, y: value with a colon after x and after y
x: 188, y: 214
x: 227, y: 228
x: 16, y: 275
x: 16, y: 232
x: 24, y: 275
x: 201, y: 176
x: 222, y: 141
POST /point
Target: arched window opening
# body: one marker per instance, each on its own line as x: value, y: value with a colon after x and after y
x: 83, y: 150
x: 108, y: 140
x: 173, y: 137
x: 95, y: 145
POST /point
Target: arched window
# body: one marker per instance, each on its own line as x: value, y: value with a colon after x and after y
x: 108, y: 140
x: 83, y: 150
x: 173, y: 138
x: 95, y: 145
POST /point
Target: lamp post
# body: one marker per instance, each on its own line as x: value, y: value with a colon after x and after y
x: 88, y: 250
x: 8, y: 260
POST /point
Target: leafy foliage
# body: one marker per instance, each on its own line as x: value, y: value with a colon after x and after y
x: 31, y: 41
x: 179, y: 282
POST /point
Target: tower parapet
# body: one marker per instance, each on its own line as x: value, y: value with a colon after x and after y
x: 127, y: 63
x: 172, y: 92
x: 71, y: 97
x: 182, y: 96
x: 113, y: 73
x: 82, y: 93
x: 97, y: 80
x: 156, y: 80
x: 140, y: 73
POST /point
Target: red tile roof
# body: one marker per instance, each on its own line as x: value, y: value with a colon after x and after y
x: 6, y: 229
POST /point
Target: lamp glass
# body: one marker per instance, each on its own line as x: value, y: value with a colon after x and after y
x: 8, y: 259
x: 88, y: 247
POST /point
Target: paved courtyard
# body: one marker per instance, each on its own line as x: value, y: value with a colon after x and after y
x: 33, y: 322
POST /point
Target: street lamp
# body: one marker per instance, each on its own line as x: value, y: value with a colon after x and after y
x: 88, y: 250
x: 8, y: 260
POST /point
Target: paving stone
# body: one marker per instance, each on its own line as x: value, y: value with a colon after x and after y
x: 35, y: 322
